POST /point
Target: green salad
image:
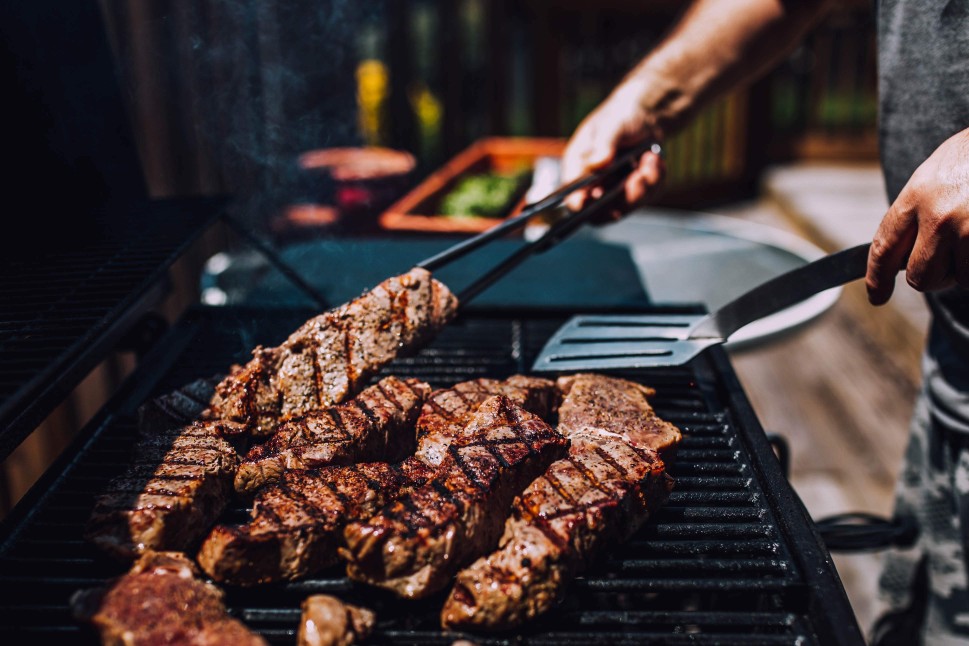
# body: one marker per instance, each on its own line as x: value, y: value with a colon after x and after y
x: 488, y: 195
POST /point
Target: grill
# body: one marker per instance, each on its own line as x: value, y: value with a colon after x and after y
x: 61, y: 312
x: 732, y: 559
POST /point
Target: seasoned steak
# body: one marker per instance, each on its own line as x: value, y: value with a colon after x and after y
x: 377, y: 424
x: 159, y: 601
x: 177, y: 485
x: 448, y: 411
x: 178, y: 408
x: 414, y: 545
x: 331, y: 356
x: 611, y: 406
x: 298, y: 522
x: 601, y: 493
x: 327, y: 621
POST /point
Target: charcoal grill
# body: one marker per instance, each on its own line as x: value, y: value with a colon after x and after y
x: 732, y: 559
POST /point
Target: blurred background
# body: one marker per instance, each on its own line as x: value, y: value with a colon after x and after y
x: 336, y: 121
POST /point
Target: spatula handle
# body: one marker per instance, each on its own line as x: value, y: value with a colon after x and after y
x: 785, y: 290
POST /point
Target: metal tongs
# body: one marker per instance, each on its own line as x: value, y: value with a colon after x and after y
x: 557, y: 231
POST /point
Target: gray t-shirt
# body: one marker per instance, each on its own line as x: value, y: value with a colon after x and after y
x: 923, y: 77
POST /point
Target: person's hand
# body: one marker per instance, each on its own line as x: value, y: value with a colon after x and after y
x: 926, y: 229
x: 619, y: 122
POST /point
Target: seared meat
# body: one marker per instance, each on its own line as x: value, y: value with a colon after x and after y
x: 603, y: 492
x: 298, y: 523
x: 331, y: 356
x: 414, y: 545
x: 448, y: 411
x: 159, y: 601
x: 377, y: 424
x: 327, y: 621
x: 177, y: 485
x: 176, y: 409
x: 581, y: 504
x: 611, y: 406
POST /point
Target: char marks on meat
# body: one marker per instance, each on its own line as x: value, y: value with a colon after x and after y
x: 159, y: 601
x: 416, y: 544
x: 298, y: 522
x: 602, y: 493
x: 377, y: 424
x: 331, y: 356
x: 178, y: 484
x: 606, y: 405
x: 447, y: 411
x: 177, y: 408
x: 586, y: 501
x: 327, y: 621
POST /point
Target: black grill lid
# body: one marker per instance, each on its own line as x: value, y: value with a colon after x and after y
x: 63, y: 309
x: 732, y: 558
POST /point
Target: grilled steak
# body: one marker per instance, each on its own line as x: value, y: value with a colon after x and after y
x: 414, y: 545
x: 447, y: 411
x: 611, y: 406
x: 159, y: 601
x: 297, y: 526
x: 327, y: 621
x: 298, y: 523
x: 331, y: 356
x: 581, y: 504
x: 377, y: 424
x: 177, y: 485
x: 604, y: 491
x: 176, y: 409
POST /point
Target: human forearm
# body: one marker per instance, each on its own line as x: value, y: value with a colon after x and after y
x: 716, y: 46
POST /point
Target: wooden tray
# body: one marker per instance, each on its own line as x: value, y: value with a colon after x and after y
x: 416, y: 211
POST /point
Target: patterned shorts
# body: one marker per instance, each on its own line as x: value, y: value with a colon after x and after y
x: 925, y: 587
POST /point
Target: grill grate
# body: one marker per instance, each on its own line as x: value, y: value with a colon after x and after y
x: 61, y: 312
x: 727, y: 561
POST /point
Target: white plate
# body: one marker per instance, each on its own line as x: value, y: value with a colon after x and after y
x: 685, y: 257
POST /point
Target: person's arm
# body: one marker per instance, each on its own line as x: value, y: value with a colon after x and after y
x: 926, y: 229
x: 716, y: 46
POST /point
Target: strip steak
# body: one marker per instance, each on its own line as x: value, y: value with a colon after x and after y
x: 298, y: 522
x: 377, y: 424
x: 331, y: 356
x: 611, y: 406
x: 448, y: 411
x: 602, y: 493
x: 297, y: 527
x: 416, y: 544
x: 159, y: 601
x: 178, y: 484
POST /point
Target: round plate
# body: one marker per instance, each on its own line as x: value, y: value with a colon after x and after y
x: 685, y: 257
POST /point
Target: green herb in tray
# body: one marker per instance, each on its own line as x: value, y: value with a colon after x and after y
x: 489, y: 195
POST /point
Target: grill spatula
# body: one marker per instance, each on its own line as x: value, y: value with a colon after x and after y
x: 598, y: 342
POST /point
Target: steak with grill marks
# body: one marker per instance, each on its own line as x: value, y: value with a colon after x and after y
x: 331, y: 356
x: 602, y: 493
x: 298, y: 522
x: 160, y: 601
x: 177, y: 485
x: 298, y: 525
x: 178, y: 408
x: 447, y: 411
x: 416, y: 544
x: 616, y: 407
x: 377, y: 424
